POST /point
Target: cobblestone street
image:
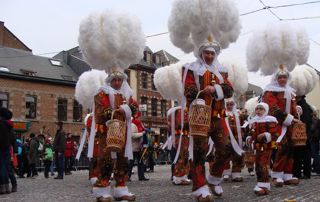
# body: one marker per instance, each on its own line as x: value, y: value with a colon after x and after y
x: 76, y: 187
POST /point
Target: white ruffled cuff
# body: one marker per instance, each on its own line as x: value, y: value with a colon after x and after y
x: 101, y: 192
x: 288, y: 120
x: 179, y: 180
x: 214, y: 180
x: 278, y: 175
x: 93, y: 180
x: 121, y: 191
x: 264, y: 185
x: 219, y: 92
x: 287, y: 177
x: 268, y: 137
x: 203, y: 191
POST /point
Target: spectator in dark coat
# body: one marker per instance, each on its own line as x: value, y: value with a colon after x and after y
x: 302, y: 154
x: 5, y: 135
x: 314, y: 142
x: 33, y: 155
x: 12, y: 166
x: 24, y: 157
x: 59, y: 147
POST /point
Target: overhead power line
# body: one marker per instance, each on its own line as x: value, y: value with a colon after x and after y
x: 302, y: 18
x: 296, y: 4
x: 268, y: 8
x: 254, y: 11
x: 265, y: 7
x: 159, y: 34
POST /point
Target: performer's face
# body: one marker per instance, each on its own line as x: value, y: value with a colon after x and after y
x: 230, y: 106
x: 282, y: 80
x: 259, y: 111
x: 208, y: 56
x: 116, y: 83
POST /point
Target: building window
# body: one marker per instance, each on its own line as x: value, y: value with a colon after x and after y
x: 154, y: 107
x: 158, y: 62
x: 148, y: 58
x: 77, y: 111
x: 55, y: 62
x: 28, y: 72
x: 62, y: 109
x: 152, y: 83
x: 163, y: 108
x: 4, y: 100
x: 144, y: 80
x: 144, y: 108
x: 31, y: 107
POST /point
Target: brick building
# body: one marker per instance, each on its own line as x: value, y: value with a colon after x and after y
x: 152, y: 106
x: 38, y: 90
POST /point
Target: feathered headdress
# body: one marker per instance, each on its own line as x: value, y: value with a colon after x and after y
x: 279, y: 44
x: 193, y: 23
x: 87, y: 86
x: 237, y: 75
x: 111, y: 41
x: 304, y: 79
x: 167, y: 80
x: 251, y: 104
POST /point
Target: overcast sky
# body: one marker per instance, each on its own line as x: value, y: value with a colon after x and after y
x: 52, y: 26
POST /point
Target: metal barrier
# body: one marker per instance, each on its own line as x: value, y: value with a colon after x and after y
x: 162, y: 157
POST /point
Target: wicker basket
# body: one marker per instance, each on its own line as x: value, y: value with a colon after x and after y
x: 200, y: 118
x: 116, y: 135
x: 299, y: 134
x: 249, y: 159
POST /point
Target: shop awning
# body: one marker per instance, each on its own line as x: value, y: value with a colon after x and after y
x: 21, y: 126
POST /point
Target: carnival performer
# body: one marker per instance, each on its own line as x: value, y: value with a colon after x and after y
x: 111, y: 41
x: 281, y: 99
x: 180, y: 142
x: 263, y: 130
x: 203, y: 75
x: 197, y: 26
x: 282, y: 46
x: 249, y: 108
x: 113, y: 96
x: 233, y: 122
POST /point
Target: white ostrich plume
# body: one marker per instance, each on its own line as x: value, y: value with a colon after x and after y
x: 304, y: 79
x: 237, y: 75
x: 192, y: 21
x: 110, y: 40
x: 168, y: 81
x: 251, y: 104
x: 87, y: 86
x: 279, y: 43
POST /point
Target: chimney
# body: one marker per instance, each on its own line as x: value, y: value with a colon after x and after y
x: 1, y: 33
